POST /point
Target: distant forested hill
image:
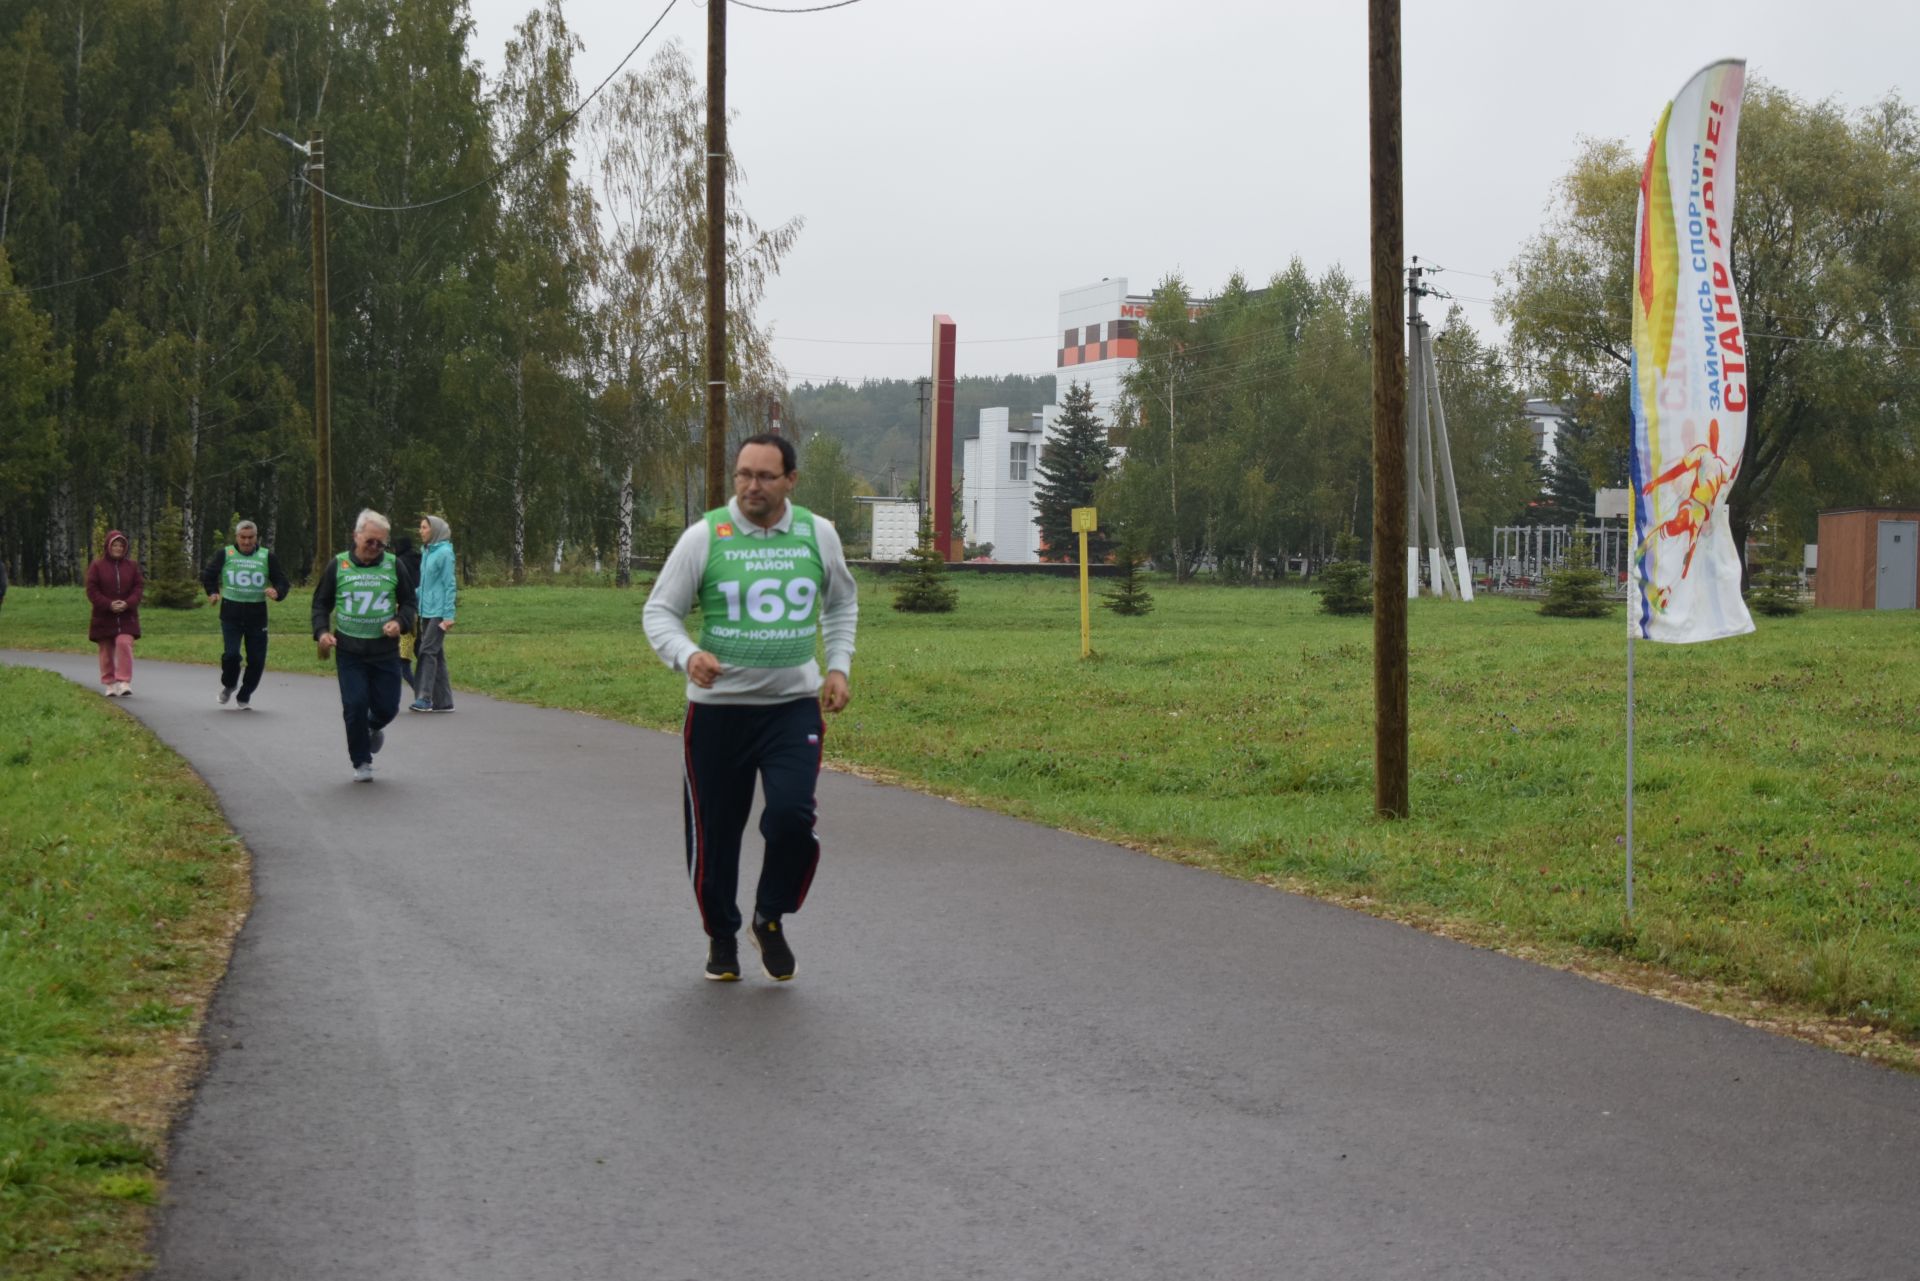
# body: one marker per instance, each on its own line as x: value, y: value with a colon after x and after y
x: 877, y: 422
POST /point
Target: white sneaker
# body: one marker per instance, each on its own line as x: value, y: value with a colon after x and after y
x: 126, y: 689
x: 111, y: 691
x: 363, y: 773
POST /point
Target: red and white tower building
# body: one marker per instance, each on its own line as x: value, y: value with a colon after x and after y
x: 1099, y: 344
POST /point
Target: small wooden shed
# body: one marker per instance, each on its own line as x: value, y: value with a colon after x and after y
x: 1869, y: 558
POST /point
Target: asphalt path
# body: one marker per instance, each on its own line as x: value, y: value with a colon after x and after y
x: 465, y: 1035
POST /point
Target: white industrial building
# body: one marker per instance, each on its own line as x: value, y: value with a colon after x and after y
x: 997, y: 482
x: 1099, y: 344
x: 1544, y: 418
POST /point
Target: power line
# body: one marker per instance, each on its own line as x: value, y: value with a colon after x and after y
x: 131, y: 263
x: 565, y: 122
x: 1461, y: 271
x: 819, y: 8
x: 905, y: 342
x: 1805, y: 320
x: 1517, y: 368
x: 426, y: 204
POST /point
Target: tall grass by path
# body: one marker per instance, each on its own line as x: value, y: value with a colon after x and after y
x: 1777, y: 816
x: 120, y: 890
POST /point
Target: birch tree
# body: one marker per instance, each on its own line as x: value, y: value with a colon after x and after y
x: 648, y: 142
x: 540, y: 272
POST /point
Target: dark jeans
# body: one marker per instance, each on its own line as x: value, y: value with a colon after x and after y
x: 432, y: 685
x: 369, y: 698
x: 231, y: 636
x: 727, y: 747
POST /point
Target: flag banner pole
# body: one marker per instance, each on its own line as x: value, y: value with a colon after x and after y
x: 1687, y: 383
x: 1629, y: 778
x: 1688, y: 372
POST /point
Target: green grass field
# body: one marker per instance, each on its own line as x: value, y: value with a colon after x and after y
x: 120, y: 890
x: 1777, y: 849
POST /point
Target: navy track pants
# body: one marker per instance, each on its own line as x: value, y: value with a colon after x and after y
x: 728, y: 747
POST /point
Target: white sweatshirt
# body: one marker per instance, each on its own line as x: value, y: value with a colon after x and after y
x: 678, y: 586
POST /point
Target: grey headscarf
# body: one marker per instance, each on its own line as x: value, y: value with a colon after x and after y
x: 437, y: 531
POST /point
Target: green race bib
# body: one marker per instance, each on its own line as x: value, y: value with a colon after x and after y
x: 367, y: 597
x: 760, y: 596
x: 244, y: 576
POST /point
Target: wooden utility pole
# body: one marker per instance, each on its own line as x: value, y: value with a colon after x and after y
x: 323, y: 547
x: 716, y: 254
x: 1390, y: 797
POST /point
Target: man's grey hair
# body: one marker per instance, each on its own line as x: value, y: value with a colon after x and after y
x: 371, y: 519
x: 243, y: 527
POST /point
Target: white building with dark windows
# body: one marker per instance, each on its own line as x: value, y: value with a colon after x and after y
x: 1099, y: 341
x: 1099, y: 344
x: 1545, y: 417
x: 997, y: 483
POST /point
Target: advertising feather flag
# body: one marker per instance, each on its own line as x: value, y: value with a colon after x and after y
x: 1689, y: 389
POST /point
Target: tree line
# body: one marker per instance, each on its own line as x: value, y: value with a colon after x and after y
x: 877, y: 421
x: 1246, y: 429
x: 515, y: 276
x: 516, y: 285
x: 1826, y: 262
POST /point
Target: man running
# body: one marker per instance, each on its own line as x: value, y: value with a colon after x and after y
x: 772, y: 582
x: 241, y: 578
x: 360, y: 606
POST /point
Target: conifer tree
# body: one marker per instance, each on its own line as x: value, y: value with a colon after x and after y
x: 1346, y: 585
x: 1774, y: 589
x: 1073, y: 462
x: 1577, y: 589
x: 170, y: 580
x: 1128, y: 595
x: 925, y: 590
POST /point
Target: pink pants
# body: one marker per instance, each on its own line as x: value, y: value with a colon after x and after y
x: 116, y: 660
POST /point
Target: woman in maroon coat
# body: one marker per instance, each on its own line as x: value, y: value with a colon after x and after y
x: 115, y: 586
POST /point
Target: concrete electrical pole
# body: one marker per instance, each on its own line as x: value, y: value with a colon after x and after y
x: 1412, y: 454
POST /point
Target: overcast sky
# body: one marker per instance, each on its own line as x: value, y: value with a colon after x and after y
x: 976, y: 157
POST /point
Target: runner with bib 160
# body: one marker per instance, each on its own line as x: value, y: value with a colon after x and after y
x: 241, y: 578
x: 773, y: 587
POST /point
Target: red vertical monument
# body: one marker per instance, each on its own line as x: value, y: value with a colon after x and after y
x: 940, y: 448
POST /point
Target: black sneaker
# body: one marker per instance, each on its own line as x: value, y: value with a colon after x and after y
x: 775, y: 956
x: 226, y: 692
x: 376, y: 740
x: 723, y: 960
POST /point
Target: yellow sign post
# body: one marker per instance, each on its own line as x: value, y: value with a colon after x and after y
x: 1086, y: 520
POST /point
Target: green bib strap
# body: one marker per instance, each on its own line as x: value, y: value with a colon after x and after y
x: 243, y: 576
x: 367, y: 597
x: 760, y: 595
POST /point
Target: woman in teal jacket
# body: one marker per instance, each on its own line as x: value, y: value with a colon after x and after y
x: 436, y: 592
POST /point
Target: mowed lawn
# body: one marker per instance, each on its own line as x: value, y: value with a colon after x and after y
x: 121, y: 888
x: 1778, y: 826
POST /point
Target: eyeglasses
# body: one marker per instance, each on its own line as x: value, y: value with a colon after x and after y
x: 376, y: 542
x: 764, y: 477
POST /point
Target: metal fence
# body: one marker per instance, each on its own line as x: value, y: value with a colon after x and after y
x: 1524, y: 554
